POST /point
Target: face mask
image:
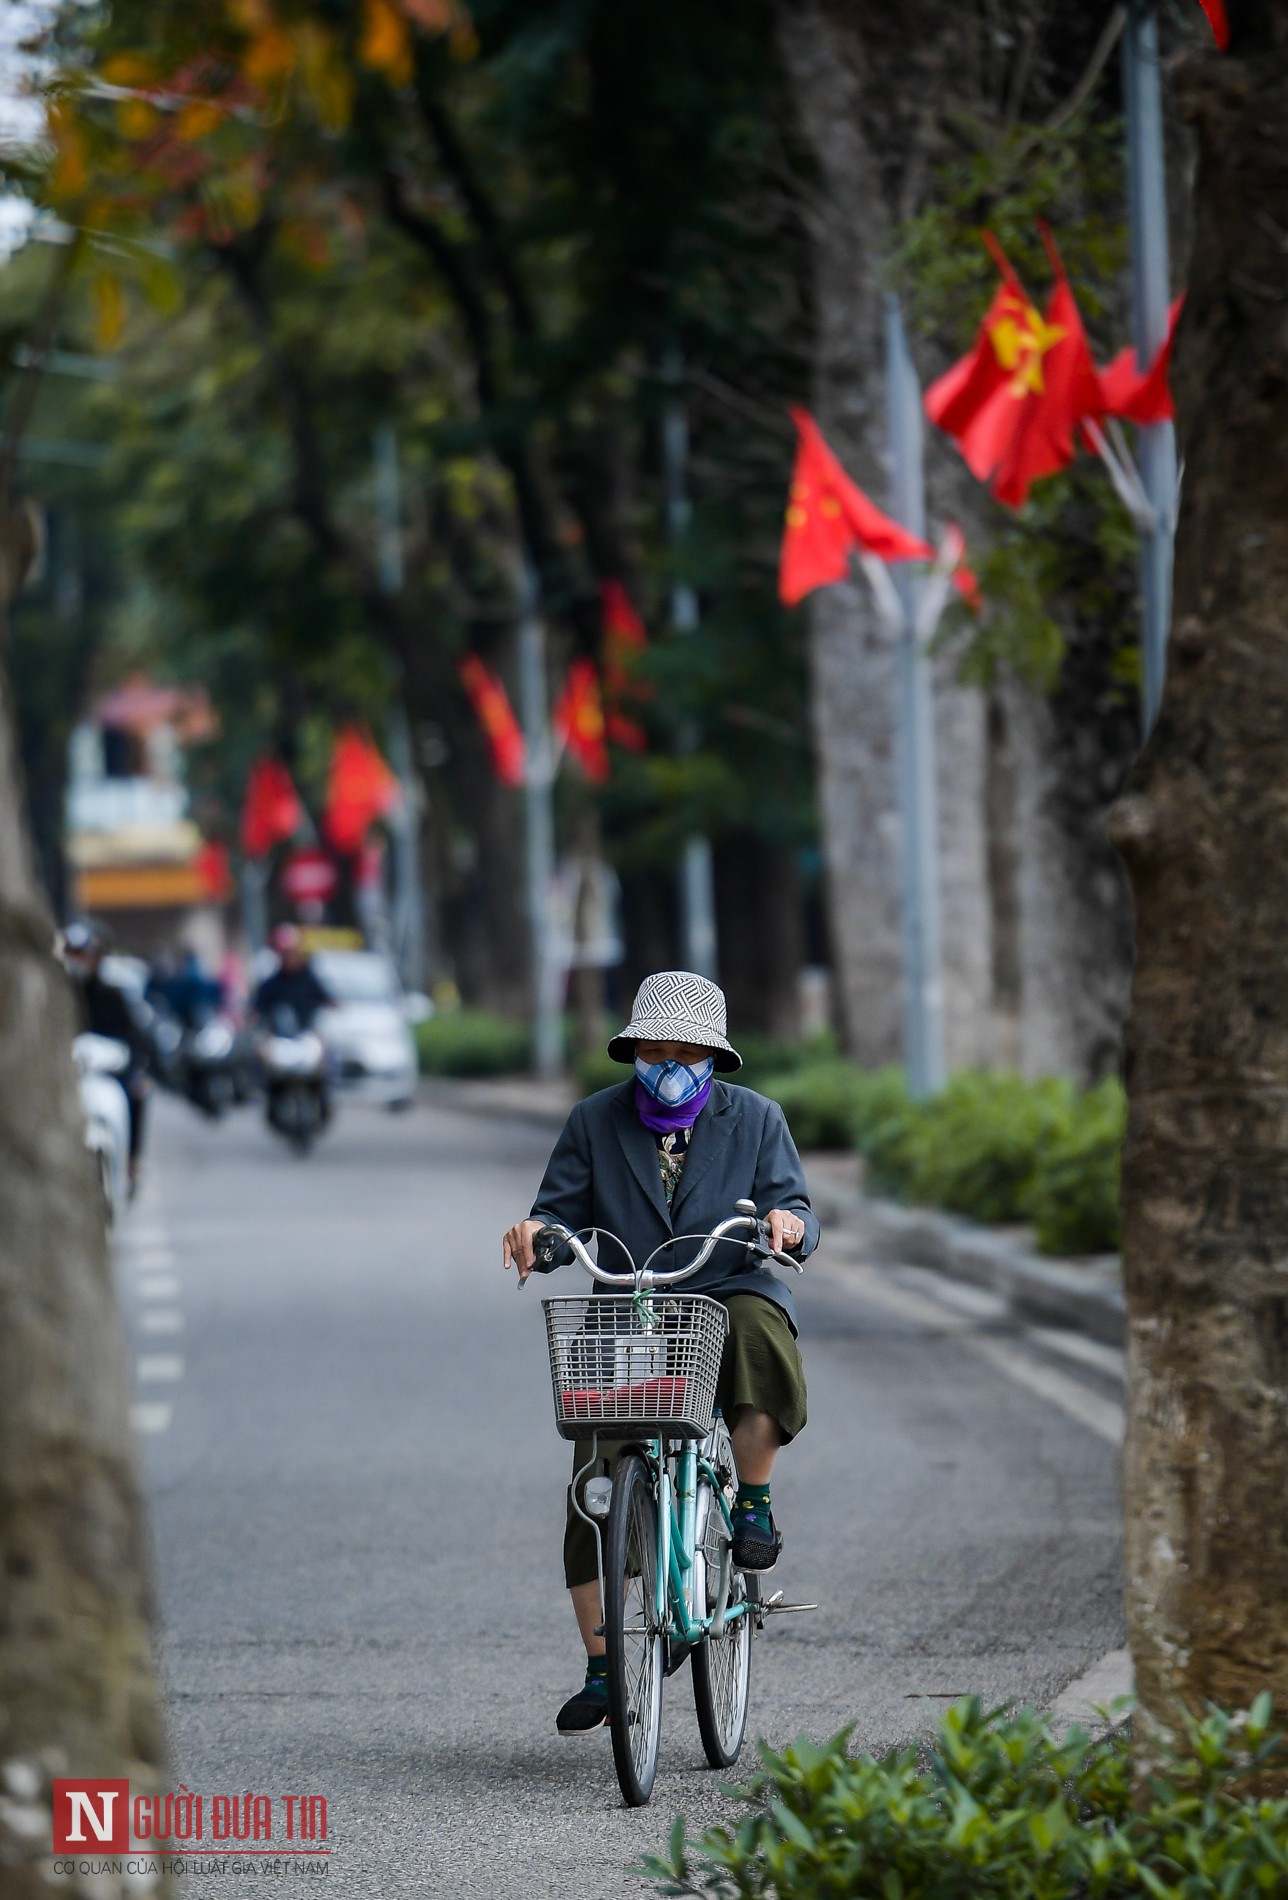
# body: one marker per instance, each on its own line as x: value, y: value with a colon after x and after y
x: 674, y: 1083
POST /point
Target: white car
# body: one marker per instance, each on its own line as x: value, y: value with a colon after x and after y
x: 369, y: 1030
x: 100, y: 1062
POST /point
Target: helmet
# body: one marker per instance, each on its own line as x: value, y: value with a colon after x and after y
x: 81, y: 939
x: 284, y: 939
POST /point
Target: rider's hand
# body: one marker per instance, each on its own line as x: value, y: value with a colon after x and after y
x: 786, y: 1230
x: 517, y: 1246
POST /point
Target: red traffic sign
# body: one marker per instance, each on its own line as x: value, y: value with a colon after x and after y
x: 309, y: 877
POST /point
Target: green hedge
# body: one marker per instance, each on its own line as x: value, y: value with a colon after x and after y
x: 991, y: 1145
x: 472, y: 1042
x: 834, y: 1104
x: 1000, y: 1809
x: 1073, y: 1202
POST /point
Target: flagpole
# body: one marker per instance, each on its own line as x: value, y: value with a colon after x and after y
x: 697, y: 883
x: 410, y: 918
x: 915, y: 737
x: 1147, y: 219
x: 539, y: 826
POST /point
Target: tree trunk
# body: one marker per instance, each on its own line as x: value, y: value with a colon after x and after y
x: 1041, y: 981
x: 76, y: 1687
x: 761, y: 926
x: 1204, y: 829
x: 864, y: 115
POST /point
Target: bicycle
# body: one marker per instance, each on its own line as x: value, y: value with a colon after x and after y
x: 643, y: 1368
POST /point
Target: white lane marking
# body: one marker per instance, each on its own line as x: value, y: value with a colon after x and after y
x: 1098, y: 1414
x: 150, y: 1416
x: 977, y: 1302
x: 160, y: 1286
x: 155, y: 1260
x: 161, y: 1320
x: 1111, y: 1360
x: 159, y: 1366
x: 146, y: 1237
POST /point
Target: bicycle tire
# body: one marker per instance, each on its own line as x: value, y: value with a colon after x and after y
x: 632, y: 1630
x: 722, y: 1664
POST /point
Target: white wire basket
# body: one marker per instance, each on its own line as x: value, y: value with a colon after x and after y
x: 615, y: 1363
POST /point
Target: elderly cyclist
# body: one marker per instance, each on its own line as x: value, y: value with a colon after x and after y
x: 669, y: 1152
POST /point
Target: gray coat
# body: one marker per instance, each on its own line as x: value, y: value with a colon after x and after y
x: 604, y: 1173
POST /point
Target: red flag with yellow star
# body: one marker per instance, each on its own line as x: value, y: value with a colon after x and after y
x: 625, y: 637
x: 360, y: 789
x: 272, y: 812
x: 1015, y: 417
x: 579, y: 719
x: 1063, y: 391
x: 495, y: 714
x: 1136, y: 394
x: 828, y: 516
x: 965, y: 401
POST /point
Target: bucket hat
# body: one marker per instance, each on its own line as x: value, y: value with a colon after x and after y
x: 678, y: 1006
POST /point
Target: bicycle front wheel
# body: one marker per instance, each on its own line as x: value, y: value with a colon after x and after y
x: 633, y: 1630
x: 721, y: 1664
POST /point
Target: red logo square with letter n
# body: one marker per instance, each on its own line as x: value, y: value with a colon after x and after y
x: 92, y: 1816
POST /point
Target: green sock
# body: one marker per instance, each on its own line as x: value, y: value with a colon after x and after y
x: 752, y: 1506
x: 597, y: 1674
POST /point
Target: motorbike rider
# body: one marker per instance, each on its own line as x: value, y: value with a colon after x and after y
x: 294, y: 985
x: 193, y: 996
x: 105, y: 1011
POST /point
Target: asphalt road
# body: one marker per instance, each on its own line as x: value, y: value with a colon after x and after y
x: 357, y: 1493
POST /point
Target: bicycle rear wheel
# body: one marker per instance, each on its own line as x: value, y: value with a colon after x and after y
x: 721, y: 1664
x: 633, y: 1629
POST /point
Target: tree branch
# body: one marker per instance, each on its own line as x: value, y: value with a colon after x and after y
x: 459, y: 165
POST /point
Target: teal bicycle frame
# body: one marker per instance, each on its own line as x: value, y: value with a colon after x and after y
x: 676, y: 1539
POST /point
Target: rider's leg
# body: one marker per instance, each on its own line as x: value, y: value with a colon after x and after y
x: 585, y: 1603
x: 756, y: 1439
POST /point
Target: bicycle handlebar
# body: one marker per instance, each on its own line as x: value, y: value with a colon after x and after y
x: 744, y: 1222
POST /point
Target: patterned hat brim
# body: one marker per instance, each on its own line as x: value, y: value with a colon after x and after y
x: 674, y: 1029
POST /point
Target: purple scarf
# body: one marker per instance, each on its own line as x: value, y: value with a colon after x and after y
x: 668, y: 1121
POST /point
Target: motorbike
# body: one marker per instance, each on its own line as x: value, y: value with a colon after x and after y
x: 297, y: 1096
x: 209, y: 1055
x: 100, y: 1063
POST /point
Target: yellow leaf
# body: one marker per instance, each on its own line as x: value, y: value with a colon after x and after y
x: 71, y: 173
x: 386, y: 40
x: 326, y: 76
x: 109, y: 311
x: 129, y: 69
x: 136, y: 120
x: 198, y: 120
x: 270, y: 55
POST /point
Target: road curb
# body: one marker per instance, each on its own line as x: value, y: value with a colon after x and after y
x: 1088, y: 1700
x: 1086, y: 1295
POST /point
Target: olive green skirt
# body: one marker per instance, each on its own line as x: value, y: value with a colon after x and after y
x: 761, y: 1367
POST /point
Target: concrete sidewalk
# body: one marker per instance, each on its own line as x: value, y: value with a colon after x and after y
x: 1085, y: 1294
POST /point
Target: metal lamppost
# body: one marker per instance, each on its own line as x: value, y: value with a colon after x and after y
x: 539, y: 827
x: 915, y: 736
x: 1147, y: 219
x: 699, y: 948
x: 409, y: 908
